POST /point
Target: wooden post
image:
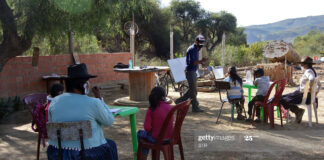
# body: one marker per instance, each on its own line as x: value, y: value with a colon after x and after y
x: 223, y: 49
x: 35, y: 56
x: 74, y: 56
x: 171, y: 42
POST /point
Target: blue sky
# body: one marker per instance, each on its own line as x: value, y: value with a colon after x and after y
x: 253, y: 12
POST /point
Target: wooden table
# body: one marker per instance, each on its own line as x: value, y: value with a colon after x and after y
x: 141, y: 81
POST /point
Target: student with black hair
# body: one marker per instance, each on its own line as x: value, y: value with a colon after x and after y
x: 154, y: 118
x: 56, y: 89
x: 290, y: 100
x: 263, y: 84
x: 236, y: 91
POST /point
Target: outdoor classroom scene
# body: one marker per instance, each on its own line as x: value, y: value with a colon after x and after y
x: 161, y: 79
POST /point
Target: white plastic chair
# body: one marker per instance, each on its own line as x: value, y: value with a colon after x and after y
x: 316, y: 87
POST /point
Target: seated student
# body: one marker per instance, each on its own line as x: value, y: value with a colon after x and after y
x: 56, y: 90
x: 154, y: 118
x: 262, y: 82
x: 236, y: 91
x: 73, y: 106
x: 290, y: 100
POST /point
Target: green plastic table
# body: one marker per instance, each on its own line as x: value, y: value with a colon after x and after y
x: 250, y: 86
x: 131, y: 112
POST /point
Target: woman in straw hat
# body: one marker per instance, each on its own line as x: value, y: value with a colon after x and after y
x: 290, y: 100
x: 75, y: 105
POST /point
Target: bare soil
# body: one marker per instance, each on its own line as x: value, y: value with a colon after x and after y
x: 292, y: 141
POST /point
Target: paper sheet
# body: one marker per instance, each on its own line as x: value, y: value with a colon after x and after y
x: 178, y: 67
x: 115, y: 110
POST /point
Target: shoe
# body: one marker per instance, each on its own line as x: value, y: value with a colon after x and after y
x: 299, y: 115
x: 258, y: 120
x: 240, y: 117
x: 248, y: 120
x: 197, y: 110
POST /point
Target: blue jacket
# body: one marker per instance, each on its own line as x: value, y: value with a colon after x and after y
x: 70, y: 107
x: 192, y: 56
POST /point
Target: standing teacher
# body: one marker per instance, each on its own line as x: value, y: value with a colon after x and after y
x: 192, y: 60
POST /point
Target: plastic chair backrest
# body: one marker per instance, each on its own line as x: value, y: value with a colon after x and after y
x: 69, y: 130
x: 315, y: 88
x: 182, y: 110
x: 32, y: 100
x: 235, y: 92
x: 279, y: 88
x: 222, y: 85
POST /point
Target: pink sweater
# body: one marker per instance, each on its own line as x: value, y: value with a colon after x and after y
x: 154, y: 120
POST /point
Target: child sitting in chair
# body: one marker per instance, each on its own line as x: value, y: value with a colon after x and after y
x: 56, y: 89
x: 236, y: 91
x: 154, y: 118
x: 262, y: 82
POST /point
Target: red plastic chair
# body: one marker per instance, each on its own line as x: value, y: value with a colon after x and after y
x: 269, y: 107
x: 31, y: 101
x: 167, y: 149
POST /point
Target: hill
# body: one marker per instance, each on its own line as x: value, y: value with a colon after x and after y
x: 285, y: 30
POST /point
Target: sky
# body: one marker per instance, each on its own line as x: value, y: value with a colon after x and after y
x: 254, y: 12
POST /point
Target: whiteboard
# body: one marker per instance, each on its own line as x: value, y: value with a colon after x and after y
x: 178, y: 67
x: 218, y: 73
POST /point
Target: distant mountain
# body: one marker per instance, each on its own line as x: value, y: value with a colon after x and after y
x: 285, y: 30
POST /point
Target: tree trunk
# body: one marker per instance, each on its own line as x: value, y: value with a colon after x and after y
x: 12, y: 44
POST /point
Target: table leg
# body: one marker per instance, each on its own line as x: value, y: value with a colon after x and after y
x: 249, y: 93
x: 262, y: 114
x: 132, y: 119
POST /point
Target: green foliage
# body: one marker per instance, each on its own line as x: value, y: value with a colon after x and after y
x: 236, y: 38
x: 49, y: 46
x: 156, y: 61
x: 9, y: 105
x: 186, y: 13
x: 179, y: 55
x: 98, y: 25
x: 312, y: 44
x: 238, y: 55
x: 213, y: 25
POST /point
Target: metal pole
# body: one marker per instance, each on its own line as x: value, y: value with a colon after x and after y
x: 171, y: 42
x: 132, y: 39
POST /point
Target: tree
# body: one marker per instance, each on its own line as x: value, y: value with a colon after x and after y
x: 186, y: 13
x: 213, y: 25
x: 237, y: 38
x: 310, y: 44
x: 22, y: 20
x: 111, y: 35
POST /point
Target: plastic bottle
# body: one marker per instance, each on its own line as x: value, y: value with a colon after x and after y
x: 130, y: 64
x: 248, y: 76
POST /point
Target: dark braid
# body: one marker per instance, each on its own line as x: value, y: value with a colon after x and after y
x: 234, y: 76
x: 311, y: 67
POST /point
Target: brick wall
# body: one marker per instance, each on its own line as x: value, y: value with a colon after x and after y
x: 19, y: 77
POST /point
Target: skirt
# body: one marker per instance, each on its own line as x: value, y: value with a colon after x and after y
x: 107, y: 151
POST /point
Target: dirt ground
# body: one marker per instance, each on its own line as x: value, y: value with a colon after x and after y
x: 292, y: 141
